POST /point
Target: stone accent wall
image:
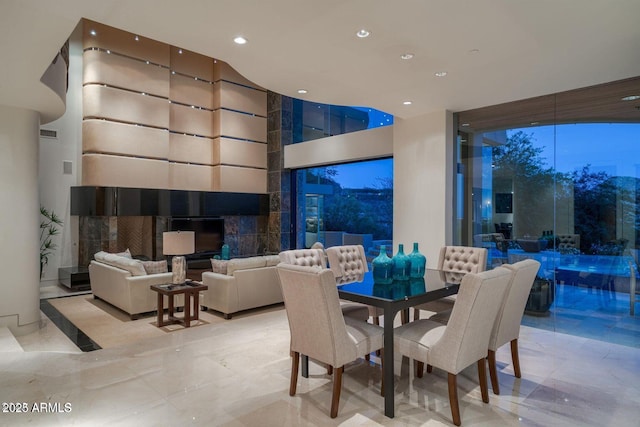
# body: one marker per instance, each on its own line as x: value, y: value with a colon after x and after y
x: 279, y: 134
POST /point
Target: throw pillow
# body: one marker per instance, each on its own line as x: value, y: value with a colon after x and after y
x: 126, y: 254
x: 155, y: 267
x: 219, y: 266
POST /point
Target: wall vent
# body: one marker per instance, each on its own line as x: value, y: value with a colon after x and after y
x: 49, y: 133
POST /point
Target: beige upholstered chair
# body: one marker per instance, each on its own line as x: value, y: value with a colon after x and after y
x: 318, y: 328
x: 316, y: 258
x: 456, y: 261
x: 507, y: 326
x: 349, y: 264
x: 465, y: 339
x: 566, y: 241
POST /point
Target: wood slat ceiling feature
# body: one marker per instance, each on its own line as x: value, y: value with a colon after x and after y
x: 601, y: 103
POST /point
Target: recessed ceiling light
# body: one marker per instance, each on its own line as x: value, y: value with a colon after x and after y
x: 407, y: 102
x: 302, y: 91
x: 474, y: 51
x: 136, y: 38
x: 363, y: 33
x: 240, y: 40
x: 631, y: 98
x: 180, y: 51
x: 406, y: 55
x: 440, y: 74
x: 93, y: 32
x: 464, y: 124
x: 535, y: 123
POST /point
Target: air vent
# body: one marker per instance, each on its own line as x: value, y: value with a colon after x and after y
x: 49, y: 133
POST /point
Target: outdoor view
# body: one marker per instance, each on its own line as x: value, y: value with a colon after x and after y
x: 568, y: 196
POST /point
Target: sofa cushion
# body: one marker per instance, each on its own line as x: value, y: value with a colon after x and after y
x: 133, y: 266
x: 126, y: 254
x: 245, y: 263
x: 155, y: 267
x: 219, y: 265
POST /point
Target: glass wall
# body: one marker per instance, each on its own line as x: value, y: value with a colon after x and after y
x: 567, y: 195
x: 349, y: 203
x: 312, y: 120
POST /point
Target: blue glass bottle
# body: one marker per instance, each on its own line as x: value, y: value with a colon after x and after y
x: 382, y: 267
x: 225, y: 251
x: 418, y: 262
x: 401, y: 264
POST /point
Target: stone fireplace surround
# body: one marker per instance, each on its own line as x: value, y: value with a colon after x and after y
x: 115, y: 219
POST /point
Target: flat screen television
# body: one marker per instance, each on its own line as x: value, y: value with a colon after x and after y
x: 209, y: 234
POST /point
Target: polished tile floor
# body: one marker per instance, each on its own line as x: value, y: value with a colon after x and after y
x: 236, y: 373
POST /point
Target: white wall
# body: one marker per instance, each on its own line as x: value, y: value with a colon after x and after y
x: 423, y: 183
x: 54, y: 184
x: 349, y: 147
x: 19, y: 232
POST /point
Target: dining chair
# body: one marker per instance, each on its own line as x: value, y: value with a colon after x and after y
x: 507, y: 325
x: 317, y: 258
x: 319, y: 329
x: 462, y: 341
x: 349, y: 264
x: 455, y: 261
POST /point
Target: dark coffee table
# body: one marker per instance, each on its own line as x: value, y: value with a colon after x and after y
x: 190, y: 290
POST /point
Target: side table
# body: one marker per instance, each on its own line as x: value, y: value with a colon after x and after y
x: 190, y: 290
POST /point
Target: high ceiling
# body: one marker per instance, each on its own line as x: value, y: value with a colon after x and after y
x: 493, y: 51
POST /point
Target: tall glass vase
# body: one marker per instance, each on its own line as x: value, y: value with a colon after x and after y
x: 382, y: 267
x: 418, y: 262
x: 401, y: 264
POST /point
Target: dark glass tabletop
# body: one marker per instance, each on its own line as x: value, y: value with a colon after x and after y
x: 433, y: 280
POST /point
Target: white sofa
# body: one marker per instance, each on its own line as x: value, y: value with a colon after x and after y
x: 124, y: 283
x: 247, y: 283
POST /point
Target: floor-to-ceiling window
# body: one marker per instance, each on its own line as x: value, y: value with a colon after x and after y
x: 342, y: 203
x: 562, y: 188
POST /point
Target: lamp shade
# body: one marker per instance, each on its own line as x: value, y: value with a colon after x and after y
x: 178, y: 242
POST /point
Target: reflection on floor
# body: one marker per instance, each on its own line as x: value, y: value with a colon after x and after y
x: 590, y: 313
x: 236, y: 373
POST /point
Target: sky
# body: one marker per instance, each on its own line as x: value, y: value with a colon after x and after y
x: 609, y: 147
x: 364, y: 174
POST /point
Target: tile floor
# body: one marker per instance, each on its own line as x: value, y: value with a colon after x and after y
x: 236, y: 373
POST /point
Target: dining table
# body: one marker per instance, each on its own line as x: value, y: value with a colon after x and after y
x: 392, y: 298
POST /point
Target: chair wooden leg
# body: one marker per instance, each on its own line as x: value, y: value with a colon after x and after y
x: 367, y: 357
x: 482, y: 379
x: 416, y: 314
x: 419, y: 368
x: 453, y: 399
x: 295, y: 360
x: 429, y: 369
x: 329, y: 370
x: 515, y: 358
x: 337, y: 387
x: 493, y: 372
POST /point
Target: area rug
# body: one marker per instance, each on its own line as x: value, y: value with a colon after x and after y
x: 110, y: 327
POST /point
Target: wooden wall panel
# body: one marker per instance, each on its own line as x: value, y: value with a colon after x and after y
x: 240, y: 98
x: 191, y: 149
x: 104, y: 170
x: 123, y: 72
x: 124, y: 106
x: 187, y: 90
x: 239, y: 125
x: 240, y: 153
x: 223, y: 71
x: 125, y: 43
x: 101, y: 136
x: 191, y: 63
x: 240, y: 180
x: 191, y: 120
x: 190, y: 177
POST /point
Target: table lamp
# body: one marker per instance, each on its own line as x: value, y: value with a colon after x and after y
x: 178, y: 244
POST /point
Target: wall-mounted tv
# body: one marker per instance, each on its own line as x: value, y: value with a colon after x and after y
x: 209, y: 234
x: 504, y: 203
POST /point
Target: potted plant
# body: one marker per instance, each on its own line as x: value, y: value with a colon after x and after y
x: 48, y: 228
